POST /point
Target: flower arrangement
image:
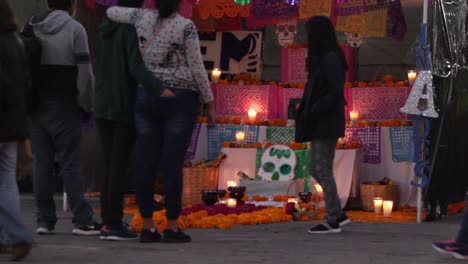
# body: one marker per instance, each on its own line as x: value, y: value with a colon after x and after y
x: 384, y: 81
x: 301, y: 211
x: 394, y: 122
x: 292, y: 145
x: 236, y: 120
x: 348, y: 145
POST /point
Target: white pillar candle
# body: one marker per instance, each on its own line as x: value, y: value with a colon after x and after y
x: 252, y: 115
x: 240, y: 135
x: 319, y: 189
x: 412, y: 74
x: 292, y: 200
x: 354, y: 116
x: 387, y: 208
x: 215, y: 74
x: 378, y: 205
x: 231, y: 202
x: 231, y: 183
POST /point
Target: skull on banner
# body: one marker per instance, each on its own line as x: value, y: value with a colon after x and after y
x: 286, y: 30
x: 278, y: 163
x: 354, y: 39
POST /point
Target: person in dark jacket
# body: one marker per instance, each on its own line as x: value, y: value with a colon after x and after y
x: 321, y: 115
x: 119, y: 69
x: 13, y: 115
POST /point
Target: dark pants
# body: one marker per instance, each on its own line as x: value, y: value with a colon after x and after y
x: 462, y: 236
x: 56, y: 136
x: 322, y: 154
x: 164, y: 128
x: 117, y: 141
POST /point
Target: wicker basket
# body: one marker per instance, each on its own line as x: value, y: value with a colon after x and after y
x: 196, y: 180
x: 370, y: 191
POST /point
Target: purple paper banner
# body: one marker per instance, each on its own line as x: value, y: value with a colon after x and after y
x: 396, y: 22
x: 369, y: 138
x: 349, y: 7
x: 192, y: 149
x: 264, y: 9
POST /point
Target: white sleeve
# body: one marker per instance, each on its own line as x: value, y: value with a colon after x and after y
x: 125, y: 15
x: 195, y: 62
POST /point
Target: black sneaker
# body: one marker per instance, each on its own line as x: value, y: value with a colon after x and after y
x: 171, y: 236
x: 325, y: 228
x: 87, y: 230
x: 343, y: 220
x: 147, y: 236
x: 119, y: 234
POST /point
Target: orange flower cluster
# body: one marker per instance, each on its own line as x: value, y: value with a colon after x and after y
x: 242, y: 79
x: 384, y: 81
x: 293, y: 145
x: 236, y: 120
x: 349, y: 145
x: 201, y: 219
x: 394, y: 122
x: 230, y: 144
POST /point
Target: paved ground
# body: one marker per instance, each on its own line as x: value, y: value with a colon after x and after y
x: 285, y: 243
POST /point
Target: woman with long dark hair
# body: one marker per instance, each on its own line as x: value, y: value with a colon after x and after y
x: 13, y: 84
x: 321, y: 115
x: 170, y: 48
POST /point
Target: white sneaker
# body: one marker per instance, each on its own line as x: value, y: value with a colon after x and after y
x: 44, y: 231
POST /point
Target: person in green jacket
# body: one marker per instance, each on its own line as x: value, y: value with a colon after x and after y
x: 119, y: 70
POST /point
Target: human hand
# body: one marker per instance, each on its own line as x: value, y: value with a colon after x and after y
x: 167, y: 93
x: 211, y: 116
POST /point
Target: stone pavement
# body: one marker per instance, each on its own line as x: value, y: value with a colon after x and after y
x: 284, y: 243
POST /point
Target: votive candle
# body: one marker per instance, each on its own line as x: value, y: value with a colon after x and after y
x: 240, y: 135
x: 412, y: 74
x: 215, y: 75
x: 252, y: 115
x: 354, y: 116
x: 387, y: 208
x: 231, y: 183
x: 231, y: 202
x: 378, y: 204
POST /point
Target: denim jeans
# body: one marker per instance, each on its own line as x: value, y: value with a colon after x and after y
x: 12, y: 228
x: 56, y: 134
x: 164, y: 128
x: 117, y: 140
x: 322, y: 153
x: 462, y: 236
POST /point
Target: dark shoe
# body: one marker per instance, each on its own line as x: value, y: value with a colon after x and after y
x: 171, y: 236
x: 42, y: 230
x: 147, y: 236
x: 118, y: 234
x: 451, y: 247
x: 87, y: 230
x: 343, y: 220
x: 325, y: 228
x: 20, y: 251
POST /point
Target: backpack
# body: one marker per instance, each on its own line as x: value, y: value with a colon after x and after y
x: 33, y: 49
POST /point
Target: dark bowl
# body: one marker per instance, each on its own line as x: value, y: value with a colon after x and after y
x: 221, y: 193
x: 237, y: 192
x: 210, y: 197
x: 305, y: 196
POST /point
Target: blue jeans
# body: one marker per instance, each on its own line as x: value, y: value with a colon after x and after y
x: 164, y: 128
x: 12, y: 228
x: 322, y: 154
x: 56, y: 134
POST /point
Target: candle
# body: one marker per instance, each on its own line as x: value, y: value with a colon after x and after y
x: 252, y: 115
x: 292, y: 200
x: 341, y: 140
x: 319, y: 189
x: 231, y: 184
x: 222, y: 201
x: 215, y: 74
x: 354, y: 116
x: 387, y: 208
x: 231, y: 202
x: 378, y: 204
x: 412, y: 74
x: 240, y: 135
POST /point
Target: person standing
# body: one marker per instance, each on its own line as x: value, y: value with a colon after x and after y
x: 14, y: 82
x: 171, y: 50
x: 119, y: 68
x: 321, y: 115
x: 63, y: 99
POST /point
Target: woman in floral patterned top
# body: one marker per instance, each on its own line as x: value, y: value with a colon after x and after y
x: 170, y: 48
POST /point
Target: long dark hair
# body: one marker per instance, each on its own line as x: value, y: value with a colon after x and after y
x: 321, y: 38
x: 131, y: 3
x: 167, y: 7
x: 7, y: 17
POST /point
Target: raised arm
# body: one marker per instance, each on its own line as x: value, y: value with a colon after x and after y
x: 124, y: 15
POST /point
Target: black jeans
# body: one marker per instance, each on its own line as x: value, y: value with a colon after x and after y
x: 117, y: 140
x: 164, y: 128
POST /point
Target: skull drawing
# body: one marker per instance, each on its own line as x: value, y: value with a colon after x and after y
x: 286, y: 30
x: 354, y: 39
x: 278, y: 163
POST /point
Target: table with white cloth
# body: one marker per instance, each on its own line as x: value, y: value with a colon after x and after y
x: 350, y: 170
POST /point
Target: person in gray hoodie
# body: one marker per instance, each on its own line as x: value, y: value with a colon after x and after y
x: 63, y: 98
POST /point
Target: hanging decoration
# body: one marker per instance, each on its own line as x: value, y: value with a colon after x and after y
x: 266, y: 9
x: 310, y: 8
x: 219, y: 8
x: 292, y: 2
x: 286, y: 30
x: 242, y: 2
x: 421, y: 99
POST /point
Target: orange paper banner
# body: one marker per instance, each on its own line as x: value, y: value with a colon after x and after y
x: 220, y: 8
x: 309, y: 8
